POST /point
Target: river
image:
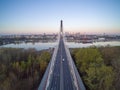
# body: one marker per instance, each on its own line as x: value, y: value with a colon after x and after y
x: 98, y: 44
x: 41, y: 46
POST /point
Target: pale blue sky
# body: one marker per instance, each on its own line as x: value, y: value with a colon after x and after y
x: 43, y: 16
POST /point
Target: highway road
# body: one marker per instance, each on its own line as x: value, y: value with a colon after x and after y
x: 61, y: 79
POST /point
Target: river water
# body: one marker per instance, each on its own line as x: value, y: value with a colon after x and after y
x: 37, y: 45
x: 98, y: 44
x: 41, y: 46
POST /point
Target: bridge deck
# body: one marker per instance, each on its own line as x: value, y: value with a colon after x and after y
x: 61, y: 73
x: 62, y: 79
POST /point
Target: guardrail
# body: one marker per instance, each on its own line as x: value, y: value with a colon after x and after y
x: 75, y: 75
x: 48, y: 73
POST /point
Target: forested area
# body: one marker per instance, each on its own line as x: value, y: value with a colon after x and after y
x: 98, y: 67
x: 22, y: 69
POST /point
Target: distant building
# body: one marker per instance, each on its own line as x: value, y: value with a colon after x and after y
x: 101, y: 39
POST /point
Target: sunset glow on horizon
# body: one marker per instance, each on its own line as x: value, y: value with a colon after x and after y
x: 43, y: 16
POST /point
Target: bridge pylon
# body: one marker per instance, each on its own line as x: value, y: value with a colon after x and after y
x: 61, y: 27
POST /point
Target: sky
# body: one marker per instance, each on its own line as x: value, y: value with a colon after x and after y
x: 43, y: 16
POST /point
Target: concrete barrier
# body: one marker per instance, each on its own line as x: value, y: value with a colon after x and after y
x: 44, y: 85
x: 75, y: 75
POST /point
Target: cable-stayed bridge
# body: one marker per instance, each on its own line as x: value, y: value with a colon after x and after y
x: 61, y: 73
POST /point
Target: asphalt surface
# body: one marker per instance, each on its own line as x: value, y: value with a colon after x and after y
x: 61, y: 79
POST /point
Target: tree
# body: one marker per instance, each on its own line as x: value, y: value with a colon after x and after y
x: 96, y: 75
x: 22, y: 69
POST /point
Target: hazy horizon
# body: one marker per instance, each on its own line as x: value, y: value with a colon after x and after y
x: 38, y: 16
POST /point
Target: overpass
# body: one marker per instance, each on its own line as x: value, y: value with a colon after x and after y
x: 61, y: 73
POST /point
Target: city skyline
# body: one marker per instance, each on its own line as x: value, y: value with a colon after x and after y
x: 38, y: 16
